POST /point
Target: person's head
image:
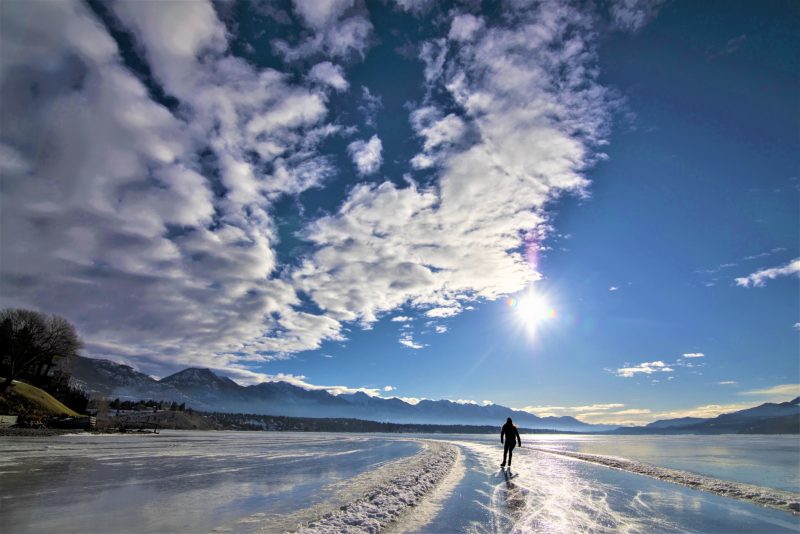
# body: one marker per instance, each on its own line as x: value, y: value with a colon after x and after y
x: 508, y: 421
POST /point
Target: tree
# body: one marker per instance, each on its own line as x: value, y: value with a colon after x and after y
x: 32, y: 342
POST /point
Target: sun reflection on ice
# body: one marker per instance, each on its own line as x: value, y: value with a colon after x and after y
x: 543, y: 493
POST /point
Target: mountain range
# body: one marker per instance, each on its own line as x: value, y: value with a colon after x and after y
x: 201, y: 389
x: 768, y: 418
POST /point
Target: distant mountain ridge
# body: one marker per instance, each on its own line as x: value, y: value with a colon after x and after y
x: 669, y: 423
x: 767, y: 418
x: 201, y: 389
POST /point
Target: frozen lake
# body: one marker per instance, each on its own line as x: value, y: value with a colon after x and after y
x: 772, y: 461
x: 268, y: 482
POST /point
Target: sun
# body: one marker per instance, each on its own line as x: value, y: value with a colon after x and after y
x: 532, y: 309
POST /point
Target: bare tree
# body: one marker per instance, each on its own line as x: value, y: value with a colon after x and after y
x: 32, y: 342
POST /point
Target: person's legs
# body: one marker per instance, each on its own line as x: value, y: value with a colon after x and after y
x: 507, y: 448
x: 510, y: 453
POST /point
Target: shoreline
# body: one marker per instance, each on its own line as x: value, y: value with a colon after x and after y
x: 35, y: 432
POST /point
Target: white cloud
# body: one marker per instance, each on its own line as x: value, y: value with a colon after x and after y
x: 759, y: 278
x: 463, y: 27
x: 422, y: 161
x: 764, y: 254
x: 410, y: 400
x: 402, y: 319
x: 437, y: 247
x: 644, y: 368
x: 731, y: 46
x: 318, y: 14
x: 613, y: 288
x: 693, y: 355
x: 414, y: 6
x: 408, y: 341
x: 164, y: 268
x: 369, y: 106
x: 433, y: 53
x: 444, y: 311
x: 780, y: 392
x: 440, y: 329
x: 366, y: 155
x: 351, y: 36
x: 633, y: 15
x: 796, y: 326
x: 340, y: 29
x: 329, y: 74
x: 154, y: 227
x: 438, y: 133
x: 12, y: 161
x: 247, y: 377
x: 728, y: 383
x: 633, y: 411
x: 708, y: 410
x: 558, y: 411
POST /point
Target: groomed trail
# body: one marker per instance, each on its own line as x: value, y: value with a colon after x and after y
x: 398, y: 495
x: 773, y: 498
x: 402, y: 486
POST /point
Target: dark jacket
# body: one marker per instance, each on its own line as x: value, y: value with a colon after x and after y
x: 509, y: 432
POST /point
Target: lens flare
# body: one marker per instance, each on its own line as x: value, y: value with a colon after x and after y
x: 531, y: 309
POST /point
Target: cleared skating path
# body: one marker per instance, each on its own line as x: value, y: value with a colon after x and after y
x: 545, y: 492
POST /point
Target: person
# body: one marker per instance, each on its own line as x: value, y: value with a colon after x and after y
x: 510, y: 435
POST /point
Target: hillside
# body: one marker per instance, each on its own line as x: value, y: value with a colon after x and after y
x: 24, y: 399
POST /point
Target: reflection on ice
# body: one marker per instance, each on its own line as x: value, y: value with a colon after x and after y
x: 549, y: 493
x: 175, y: 482
x: 769, y: 461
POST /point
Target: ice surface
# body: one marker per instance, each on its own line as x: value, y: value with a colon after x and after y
x: 768, y: 461
x: 178, y: 481
x: 545, y: 492
x: 781, y: 500
x: 315, y: 482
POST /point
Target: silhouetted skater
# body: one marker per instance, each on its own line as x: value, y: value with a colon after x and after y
x: 510, y: 435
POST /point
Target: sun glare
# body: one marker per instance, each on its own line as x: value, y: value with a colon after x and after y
x: 532, y: 309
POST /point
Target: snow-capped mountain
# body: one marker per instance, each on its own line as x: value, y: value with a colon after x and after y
x: 202, y: 389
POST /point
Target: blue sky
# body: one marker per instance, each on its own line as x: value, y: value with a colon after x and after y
x: 575, y: 210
